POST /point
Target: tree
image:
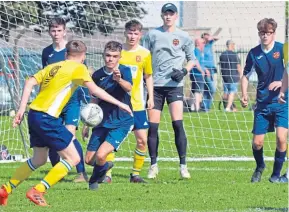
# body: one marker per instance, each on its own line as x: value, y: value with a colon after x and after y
x: 89, y: 16
x: 83, y: 17
x: 17, y: 14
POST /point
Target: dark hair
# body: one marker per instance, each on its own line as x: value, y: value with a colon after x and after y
x: 266, y: 24
x: 113, y: 46
x: 133, y: 25
x: 75, y: 48
x: 54, y: 22
x: 204, y: 34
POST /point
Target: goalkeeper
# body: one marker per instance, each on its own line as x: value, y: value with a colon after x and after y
x: 169, y: 47
x: 57, y: 83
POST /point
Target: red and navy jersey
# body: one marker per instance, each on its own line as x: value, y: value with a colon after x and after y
x: 269, y: 68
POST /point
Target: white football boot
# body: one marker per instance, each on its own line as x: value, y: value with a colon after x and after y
x: 153, y: 171
x: 184, y: 172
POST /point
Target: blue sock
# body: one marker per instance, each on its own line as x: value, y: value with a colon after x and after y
x: 258, y: 155
x: 53, y: 157
x: 278, y: 163
x: 98, y: 172
x: 80, y: 168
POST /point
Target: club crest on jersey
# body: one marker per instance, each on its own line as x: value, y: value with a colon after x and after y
x: 276, y: 55
x: 176, y: 42
x: 138, y: 58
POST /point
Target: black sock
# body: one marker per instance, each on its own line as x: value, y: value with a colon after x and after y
x: 153, y: 142
x: 258, y: 155
x: 278, y: 162
x: 180, y: 140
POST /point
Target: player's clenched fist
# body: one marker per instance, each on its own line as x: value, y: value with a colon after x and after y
x: 244, y: 101
x: 116, y: 75
x: 18, y: 118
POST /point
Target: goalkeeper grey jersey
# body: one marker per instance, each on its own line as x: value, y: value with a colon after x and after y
x: 169, y: 50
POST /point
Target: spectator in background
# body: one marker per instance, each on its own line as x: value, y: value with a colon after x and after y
x: 197, y: 75
x: 231, y: 73
x: 210, y: 86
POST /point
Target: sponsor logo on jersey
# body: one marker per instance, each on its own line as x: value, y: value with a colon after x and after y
x: 276, y: 55
x: 176, y: 42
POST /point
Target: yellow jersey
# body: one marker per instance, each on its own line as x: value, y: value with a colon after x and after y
x: 58, y: 82
x: 140, y: 63
x: 286, y: 55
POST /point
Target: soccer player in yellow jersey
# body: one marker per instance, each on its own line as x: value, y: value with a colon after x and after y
x: 138, y: 59
x: 281, y: 98
x: 57, y: 83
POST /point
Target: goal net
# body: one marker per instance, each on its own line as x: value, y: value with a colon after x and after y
x: 214, y: 135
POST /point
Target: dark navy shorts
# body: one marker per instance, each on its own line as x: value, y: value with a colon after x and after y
x: 47, y: 131
x: 71, y: 113
x: 269, y: 116
x: 114, y: 136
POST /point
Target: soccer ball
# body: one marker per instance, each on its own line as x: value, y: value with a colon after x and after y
x: 91, y: 114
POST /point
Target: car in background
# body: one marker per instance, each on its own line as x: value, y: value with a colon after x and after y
x: 29, y: 63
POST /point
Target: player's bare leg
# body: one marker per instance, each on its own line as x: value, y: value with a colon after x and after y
x: 176, y: 111
x: 153, y: 141
x: 82, y: 176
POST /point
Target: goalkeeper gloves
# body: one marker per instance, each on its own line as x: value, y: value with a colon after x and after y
x: 178, y: 75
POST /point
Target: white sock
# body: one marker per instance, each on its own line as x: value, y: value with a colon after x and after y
x: 183, y: 166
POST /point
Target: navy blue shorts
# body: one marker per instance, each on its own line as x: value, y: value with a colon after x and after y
x: 114, y: 136
x: 269, y: 116
x: 140, y: 120
x: 71, y: 113
x: 47, y: 131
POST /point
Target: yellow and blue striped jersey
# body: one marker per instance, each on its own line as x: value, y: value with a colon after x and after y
x: 58, y: 82
x: 140, y: 63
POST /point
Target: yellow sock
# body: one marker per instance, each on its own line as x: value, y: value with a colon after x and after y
x: 139, y: 157
x: 110, y: 157
x: 21, y: 174
x: 54, y: 175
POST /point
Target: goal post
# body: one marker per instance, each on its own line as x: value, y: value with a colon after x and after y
x: 216, y: 135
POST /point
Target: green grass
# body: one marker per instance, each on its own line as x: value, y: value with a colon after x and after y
x: 214, y: 186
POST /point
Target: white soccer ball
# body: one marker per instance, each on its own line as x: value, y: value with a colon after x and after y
x: 91, y: 114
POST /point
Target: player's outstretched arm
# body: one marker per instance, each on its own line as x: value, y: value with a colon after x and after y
x: 29, y: 84
x: 101, y: 94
